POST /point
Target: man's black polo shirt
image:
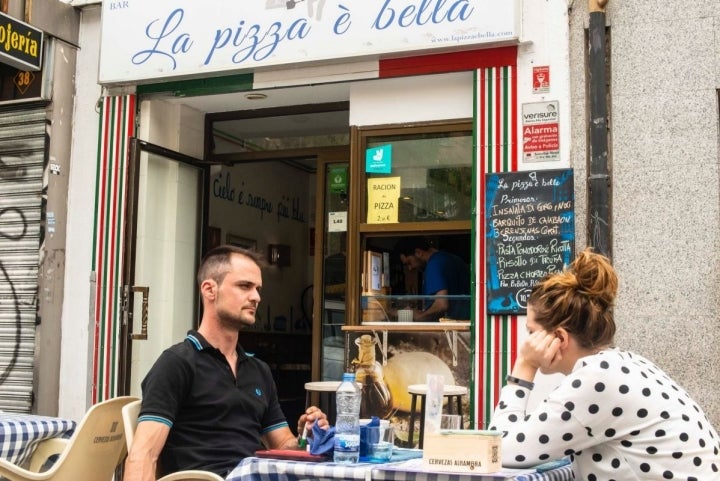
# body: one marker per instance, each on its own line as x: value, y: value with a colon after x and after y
x: 215, y: 419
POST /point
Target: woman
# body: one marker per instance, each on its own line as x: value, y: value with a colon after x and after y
x: 616, y: 414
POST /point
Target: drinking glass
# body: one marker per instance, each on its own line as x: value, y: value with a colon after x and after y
x: 450, y: 421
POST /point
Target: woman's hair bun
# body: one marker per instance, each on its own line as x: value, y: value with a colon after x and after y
x: 595, y: 276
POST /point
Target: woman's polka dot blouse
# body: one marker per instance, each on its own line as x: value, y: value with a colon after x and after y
x: 619, y: 417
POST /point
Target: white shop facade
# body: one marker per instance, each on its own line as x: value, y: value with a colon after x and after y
x: 262, y: 125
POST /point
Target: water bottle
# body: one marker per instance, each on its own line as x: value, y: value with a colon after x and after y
x: 347, y: 422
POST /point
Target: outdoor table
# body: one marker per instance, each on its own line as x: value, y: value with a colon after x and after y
x: 412, y: 471
x: 265, y: 469
x: 21, y: 433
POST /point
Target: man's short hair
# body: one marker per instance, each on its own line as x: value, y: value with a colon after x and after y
x: 216, y: 263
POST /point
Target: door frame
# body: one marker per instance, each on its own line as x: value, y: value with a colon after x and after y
x: 322, y: 160
x: 136, y: 148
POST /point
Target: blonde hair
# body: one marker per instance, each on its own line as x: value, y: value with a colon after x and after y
x: 579, y: 299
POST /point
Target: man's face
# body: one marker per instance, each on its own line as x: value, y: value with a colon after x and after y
x: 412, y: 262
x: 238, y: 295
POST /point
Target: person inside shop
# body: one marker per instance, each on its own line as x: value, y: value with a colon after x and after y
x: 206, y: 403
x: 443, y: 274
x: 615, y: 414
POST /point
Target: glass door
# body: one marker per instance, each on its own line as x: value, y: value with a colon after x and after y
x: 335, y: 213
x: 162, y: 255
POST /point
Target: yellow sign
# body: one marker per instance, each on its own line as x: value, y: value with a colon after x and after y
x: 383, y: 194
x: 20, y: 44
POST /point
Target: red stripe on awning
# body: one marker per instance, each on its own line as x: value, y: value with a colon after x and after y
x: 448, y: 62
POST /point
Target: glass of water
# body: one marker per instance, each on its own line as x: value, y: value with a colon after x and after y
x: 380, y: 441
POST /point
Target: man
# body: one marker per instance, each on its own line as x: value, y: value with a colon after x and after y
x: 444, y: 274
x: 206, y: 403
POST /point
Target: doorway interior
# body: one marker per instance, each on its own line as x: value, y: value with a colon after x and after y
x: 276, y: 178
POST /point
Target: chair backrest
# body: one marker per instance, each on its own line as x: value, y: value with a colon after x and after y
x: 97, y: 446
x: 130, y: 414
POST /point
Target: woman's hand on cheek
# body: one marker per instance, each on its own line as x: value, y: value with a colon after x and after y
x: 541, y: 350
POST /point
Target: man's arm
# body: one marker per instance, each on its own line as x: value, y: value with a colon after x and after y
x: 436, y: 310
x: 141, y: 463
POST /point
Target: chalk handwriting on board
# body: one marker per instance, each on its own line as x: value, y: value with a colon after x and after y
x: 530, y: 233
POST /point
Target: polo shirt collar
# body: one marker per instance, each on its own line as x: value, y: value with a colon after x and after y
x: 200, y: 343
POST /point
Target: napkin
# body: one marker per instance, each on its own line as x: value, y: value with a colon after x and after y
x: 368, y: 437
x: 323, y: 441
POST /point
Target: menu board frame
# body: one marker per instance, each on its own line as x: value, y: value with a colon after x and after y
x: 530, y: 232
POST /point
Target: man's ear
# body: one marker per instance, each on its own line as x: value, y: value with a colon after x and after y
x: 208, y: 289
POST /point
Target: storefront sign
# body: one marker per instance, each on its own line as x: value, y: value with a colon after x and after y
x: 20, y: 44
x: 541, y: 131
x: 173, y: 38
x: 382, y: 195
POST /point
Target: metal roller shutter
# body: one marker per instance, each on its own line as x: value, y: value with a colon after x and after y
x: 22, y: 155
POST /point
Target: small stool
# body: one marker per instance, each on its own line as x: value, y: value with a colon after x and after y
x: 327, y: 397
x: 451, y: 392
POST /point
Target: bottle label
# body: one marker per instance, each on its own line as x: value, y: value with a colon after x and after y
x: 347, y: 442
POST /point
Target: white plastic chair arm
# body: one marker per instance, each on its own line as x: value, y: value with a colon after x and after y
x: 192, y: 475
x: 14, y: 472
x: 46, y: 448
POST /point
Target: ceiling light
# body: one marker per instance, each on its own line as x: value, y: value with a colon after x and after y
x: 255, y: 96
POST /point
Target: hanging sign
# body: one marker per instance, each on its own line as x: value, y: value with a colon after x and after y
x: 530, y: 233
x: 21, y: 45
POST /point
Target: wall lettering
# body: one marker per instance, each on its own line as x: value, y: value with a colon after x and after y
x: 288, y: 207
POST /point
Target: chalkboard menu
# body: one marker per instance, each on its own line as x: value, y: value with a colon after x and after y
x: 530, y: 232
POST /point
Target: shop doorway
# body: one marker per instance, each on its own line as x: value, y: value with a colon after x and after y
x: 275, y: 198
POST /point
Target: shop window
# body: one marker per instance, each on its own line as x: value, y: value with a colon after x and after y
x: 413, y: 181
x: 432, y: 173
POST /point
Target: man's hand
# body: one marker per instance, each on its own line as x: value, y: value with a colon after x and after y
x: 311, y: 416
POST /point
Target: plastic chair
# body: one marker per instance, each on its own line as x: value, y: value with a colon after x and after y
x: 130, y: 414
x: 93, y: 452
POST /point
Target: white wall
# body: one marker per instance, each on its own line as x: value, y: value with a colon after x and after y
x: 76, y: 367
x: 412, y: 99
